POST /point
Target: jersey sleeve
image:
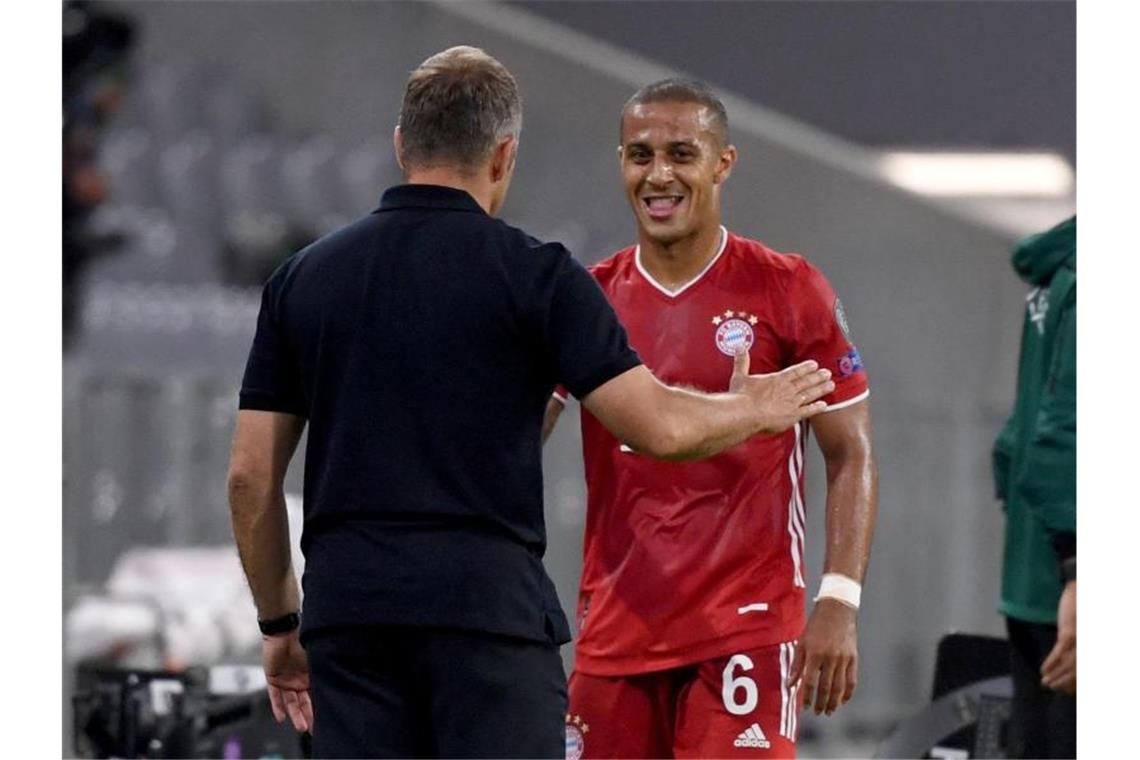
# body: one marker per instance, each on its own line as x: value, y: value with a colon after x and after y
x: 587, y: 343
x: 272, y: 380
x: 820, y: 332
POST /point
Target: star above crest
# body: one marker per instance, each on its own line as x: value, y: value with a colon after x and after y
x: 739, y: 314
x: 576, y: 720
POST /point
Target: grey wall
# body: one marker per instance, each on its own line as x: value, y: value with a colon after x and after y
x: 932, y: 303
x: 955, y: 74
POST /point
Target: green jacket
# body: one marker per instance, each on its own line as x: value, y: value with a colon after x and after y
x: 1035, y: 456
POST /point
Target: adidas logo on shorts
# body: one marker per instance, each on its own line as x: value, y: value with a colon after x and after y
x: 752, y: 737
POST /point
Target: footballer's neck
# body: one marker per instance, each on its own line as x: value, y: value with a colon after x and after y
x: 676, y: 263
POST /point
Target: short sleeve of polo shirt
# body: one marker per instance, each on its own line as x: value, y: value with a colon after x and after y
x: 821, y: 332
x: 586, y: 340
x: 272, y: 380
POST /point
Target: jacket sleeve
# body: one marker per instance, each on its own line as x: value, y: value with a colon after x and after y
x: 1002, y: 458
x: 1049, y: 484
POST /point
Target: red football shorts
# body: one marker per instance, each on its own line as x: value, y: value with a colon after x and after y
x: 735, y: 706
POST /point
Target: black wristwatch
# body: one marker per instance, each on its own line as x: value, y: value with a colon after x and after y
x: 278, y: 626
x: 1069, y: 570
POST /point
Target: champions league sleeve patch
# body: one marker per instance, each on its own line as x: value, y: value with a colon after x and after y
x: 841, y: 318
x: 850, y: 363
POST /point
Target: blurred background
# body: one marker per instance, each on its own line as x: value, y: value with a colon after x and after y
x: 902, y: 147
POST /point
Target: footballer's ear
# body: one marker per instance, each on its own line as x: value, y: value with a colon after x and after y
x: 724, y: 164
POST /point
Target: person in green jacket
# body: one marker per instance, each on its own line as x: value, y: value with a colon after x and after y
x: 1035, y: 471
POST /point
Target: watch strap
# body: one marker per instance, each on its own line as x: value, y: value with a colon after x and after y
x: 280, y: 625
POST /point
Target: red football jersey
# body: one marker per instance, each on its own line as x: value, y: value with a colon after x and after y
x: 685, y: 562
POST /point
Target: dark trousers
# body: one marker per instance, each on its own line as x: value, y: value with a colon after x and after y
x: 419, y: 692
x: 1043, y: 722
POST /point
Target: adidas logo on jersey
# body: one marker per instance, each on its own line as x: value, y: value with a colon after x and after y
x: 752, y: 737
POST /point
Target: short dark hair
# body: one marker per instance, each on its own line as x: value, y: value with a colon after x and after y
x: 677, y: 90
x: 457, y: 105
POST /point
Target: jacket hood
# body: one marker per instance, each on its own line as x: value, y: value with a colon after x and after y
x: 1038, y: 257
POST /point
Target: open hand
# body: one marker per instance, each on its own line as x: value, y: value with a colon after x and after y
x: 784, y: 397
x: 287, y: 674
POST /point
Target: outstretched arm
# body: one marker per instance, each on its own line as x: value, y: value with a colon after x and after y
x: 677, y: 424
x: 827, y: 656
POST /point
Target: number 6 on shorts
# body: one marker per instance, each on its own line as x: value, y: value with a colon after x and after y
x: 732, y: 684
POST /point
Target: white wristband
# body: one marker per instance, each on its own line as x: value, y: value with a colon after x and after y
x: 840, y: 587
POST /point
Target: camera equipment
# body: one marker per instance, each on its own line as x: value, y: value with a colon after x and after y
x: 201, y: 712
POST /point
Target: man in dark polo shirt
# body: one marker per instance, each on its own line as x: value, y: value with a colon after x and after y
x: 421, y: 345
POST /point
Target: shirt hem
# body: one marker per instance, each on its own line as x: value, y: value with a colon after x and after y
x: 261, y: 402
x: 602, y: 376
x: 724, y: 647
x: 866, y: 394
x: 538, y: 635
x: 1028, y: 614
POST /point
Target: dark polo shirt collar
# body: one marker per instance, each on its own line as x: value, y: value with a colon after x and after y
x: 428, y: 196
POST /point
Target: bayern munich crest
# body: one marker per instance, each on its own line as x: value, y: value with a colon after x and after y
x: 734, y: 331
x: 576, y: 730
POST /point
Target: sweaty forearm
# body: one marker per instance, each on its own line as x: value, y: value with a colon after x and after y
x: 673, y: 423
x: 700, y: 425
x: 261, y: 529
x: 852, y: 504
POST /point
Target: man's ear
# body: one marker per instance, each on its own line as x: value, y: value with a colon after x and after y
x: 725, y: 163
x: 503, y: 158
x: 398, y: 144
